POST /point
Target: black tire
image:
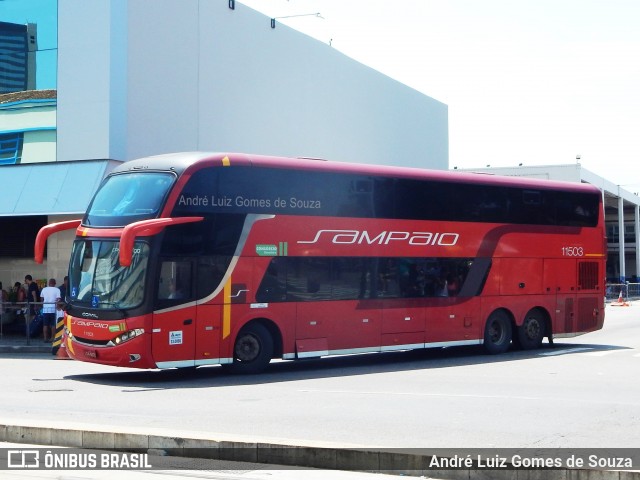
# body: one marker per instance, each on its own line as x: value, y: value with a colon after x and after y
x: 532, y: 331
x: 497, y: 333
x: 253, y: 350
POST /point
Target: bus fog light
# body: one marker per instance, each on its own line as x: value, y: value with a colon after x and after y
x: 134, y: 357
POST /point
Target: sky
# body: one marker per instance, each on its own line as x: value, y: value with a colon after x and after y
x: 537, y: 82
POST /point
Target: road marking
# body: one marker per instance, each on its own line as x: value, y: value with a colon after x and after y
x: 588, y: 351
x: 420, y: 394
x: 565, y: 351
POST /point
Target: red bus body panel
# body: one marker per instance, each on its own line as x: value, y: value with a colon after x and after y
x: 530, y: 269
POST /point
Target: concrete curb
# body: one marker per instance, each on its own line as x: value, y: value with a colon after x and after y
x: 412, y: 462
x: 42, y: 348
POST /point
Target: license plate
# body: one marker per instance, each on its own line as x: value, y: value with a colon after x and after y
x: 91, y: 353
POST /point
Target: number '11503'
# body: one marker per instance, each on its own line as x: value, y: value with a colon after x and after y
x: 572, y: 251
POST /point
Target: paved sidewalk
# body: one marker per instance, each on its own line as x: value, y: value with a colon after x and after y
x: 171, y: 444
x: 14, y: 343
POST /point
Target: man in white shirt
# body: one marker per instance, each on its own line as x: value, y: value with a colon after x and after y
x: 50, y: 296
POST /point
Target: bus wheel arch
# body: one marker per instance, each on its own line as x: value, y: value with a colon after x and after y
x: 498, y: 331
x: 256, y: 343
x: 535, y: 326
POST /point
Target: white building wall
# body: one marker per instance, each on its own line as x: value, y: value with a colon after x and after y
x: 281, y: 92
x: 28, y: 115
x: 163, y: 76
x: 84, y: 85
x: 39, y: 146
x: 143, y: 77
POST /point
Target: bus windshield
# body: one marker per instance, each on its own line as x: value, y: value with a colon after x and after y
x: 97, y: 280
x: 127, y: 198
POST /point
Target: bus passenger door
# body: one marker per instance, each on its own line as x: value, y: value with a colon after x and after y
x: 174, y: 318
x: 560, y: 280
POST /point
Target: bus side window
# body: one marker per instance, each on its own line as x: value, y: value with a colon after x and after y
x: 273, y: 287
x: 210, y: 272
x: 175, y: 281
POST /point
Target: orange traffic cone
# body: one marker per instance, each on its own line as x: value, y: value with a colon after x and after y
x: 61, y: 353
x: 620, y: 302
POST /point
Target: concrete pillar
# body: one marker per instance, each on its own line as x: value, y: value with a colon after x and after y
x: 621, y: 237
x: 637, y: 230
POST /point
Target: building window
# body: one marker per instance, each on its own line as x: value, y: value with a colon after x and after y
x: 613, y: 234
x: 11, y: 148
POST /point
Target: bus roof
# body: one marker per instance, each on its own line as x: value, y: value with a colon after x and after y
x: 189, y: 162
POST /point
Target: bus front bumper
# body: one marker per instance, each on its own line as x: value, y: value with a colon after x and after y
x: 133, y: 353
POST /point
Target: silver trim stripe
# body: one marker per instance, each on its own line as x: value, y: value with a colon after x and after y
x: 384, y: 348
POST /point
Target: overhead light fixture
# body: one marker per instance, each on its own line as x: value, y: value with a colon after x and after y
x: 317, y: 14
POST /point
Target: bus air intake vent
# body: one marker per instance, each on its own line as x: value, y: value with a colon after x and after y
x: 588, y: 276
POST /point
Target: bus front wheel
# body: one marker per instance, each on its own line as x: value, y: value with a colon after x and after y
x: 497, y: 332
x: 532, y: 331
x: 253, y: 349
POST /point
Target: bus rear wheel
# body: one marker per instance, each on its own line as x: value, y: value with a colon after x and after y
x: 532, y: 331
x: 253, y: 349
x: 497, y: 333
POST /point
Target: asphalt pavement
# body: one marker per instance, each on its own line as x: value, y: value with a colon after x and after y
x: 259, y: 451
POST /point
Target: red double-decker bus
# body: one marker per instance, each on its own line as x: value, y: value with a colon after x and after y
x: 193, y: 259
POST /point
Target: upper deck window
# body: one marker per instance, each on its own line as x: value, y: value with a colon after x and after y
x: 128, y: 197
x: 274, y: 191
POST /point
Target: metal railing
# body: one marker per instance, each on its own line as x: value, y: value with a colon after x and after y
x: 630, y: 291
x: 11, y: 319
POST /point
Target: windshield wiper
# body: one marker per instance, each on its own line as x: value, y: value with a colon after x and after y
x: 116, y: 306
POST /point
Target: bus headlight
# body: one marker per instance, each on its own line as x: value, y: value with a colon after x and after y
x: 125, y: 337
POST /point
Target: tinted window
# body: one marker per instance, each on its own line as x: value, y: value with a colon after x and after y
x: 301, y: 279
x: 128, y: 198
x: 174, y: 282
x: 215, y: 235
x: 288, y: 192
x: 97, y: 280
x: 213, y: 242
x: 242, y: 190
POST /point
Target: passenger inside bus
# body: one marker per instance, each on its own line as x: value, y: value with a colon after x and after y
x: 174, y: 291
x: 175, y: 280
x: 292, y: 279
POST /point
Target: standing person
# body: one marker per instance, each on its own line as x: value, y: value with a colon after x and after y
x: 3, y: 292
x: 18, y: 296
x: 64, y: 288
x: 4, y: 298
x: 17, y: 293
x: 33, y: 294
x: 50, y: 297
